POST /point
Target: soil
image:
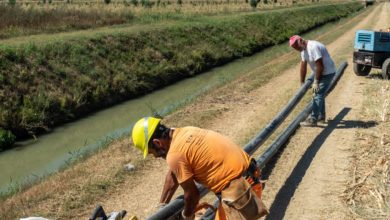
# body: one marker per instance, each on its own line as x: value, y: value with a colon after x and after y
x: 311, y: 173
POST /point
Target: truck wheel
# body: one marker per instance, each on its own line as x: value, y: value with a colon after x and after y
x: 386, y: 69
x: 361, y: 70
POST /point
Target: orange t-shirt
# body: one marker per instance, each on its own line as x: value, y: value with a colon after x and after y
x: 207, y: 156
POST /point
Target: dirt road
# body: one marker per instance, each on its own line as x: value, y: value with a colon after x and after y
x: 311, y: 173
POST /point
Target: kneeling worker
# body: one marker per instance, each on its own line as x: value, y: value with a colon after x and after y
x: 207, y: 157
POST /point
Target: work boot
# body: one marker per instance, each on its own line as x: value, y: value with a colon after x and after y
x: 322, y: 121
x: 309, y: 122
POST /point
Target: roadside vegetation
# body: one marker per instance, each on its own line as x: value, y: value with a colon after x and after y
x: 44, y: 85
x: 368, y: 193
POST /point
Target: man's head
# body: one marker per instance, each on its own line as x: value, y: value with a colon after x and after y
x: 297, y: 42
x: 151, y: 137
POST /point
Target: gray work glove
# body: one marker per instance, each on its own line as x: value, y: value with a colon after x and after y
x: 192, y: 217
x: 315, y: 86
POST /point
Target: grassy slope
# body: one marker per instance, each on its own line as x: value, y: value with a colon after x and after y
x: 47, y: 84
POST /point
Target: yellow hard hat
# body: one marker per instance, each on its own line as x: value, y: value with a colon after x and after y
x: 143, y: 131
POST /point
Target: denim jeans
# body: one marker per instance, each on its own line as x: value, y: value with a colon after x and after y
x: 319, y: 97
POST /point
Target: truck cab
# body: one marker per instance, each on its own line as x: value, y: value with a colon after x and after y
x: 372, y: 50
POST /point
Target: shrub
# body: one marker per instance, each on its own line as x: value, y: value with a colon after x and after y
x: 12, y: 2
x: 146, y: 3
x: 6, y: 139
x: 134, y: 2
x: 253, y: 3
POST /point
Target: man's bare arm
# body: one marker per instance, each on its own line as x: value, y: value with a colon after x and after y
x: 170, y: 187
x: 303, y: 71
x: 191, y: 196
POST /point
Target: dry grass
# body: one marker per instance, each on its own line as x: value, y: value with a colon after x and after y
x: 368, y: 193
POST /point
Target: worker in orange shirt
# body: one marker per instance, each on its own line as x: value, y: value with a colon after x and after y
x: 204, y: 156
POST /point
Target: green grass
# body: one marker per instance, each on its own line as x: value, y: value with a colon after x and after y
x: 44, y: 85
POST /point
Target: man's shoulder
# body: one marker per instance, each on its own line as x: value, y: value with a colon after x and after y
x: 312, y: 44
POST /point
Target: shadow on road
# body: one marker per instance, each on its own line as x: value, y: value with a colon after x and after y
x: 283, y: 197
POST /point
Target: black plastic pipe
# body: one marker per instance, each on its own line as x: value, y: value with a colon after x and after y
x: 175, y: 206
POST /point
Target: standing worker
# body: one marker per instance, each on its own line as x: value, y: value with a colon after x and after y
x: 204, y: 156
x: 322, y: 65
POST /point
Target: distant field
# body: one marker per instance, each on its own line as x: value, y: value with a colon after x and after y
x: 46, y: 16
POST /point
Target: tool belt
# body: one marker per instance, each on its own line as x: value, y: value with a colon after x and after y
x: 239, y: 199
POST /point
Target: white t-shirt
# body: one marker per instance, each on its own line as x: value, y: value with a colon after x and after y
x: 314, y: 51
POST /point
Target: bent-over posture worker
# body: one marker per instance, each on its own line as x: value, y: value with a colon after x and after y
x: 322, y: 65
x: 207, y: 157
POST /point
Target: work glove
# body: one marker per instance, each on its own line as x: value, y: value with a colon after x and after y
x: 183, y: 217
x: 315, y: 86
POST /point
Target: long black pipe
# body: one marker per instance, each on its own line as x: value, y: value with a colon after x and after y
x: 174, y: 207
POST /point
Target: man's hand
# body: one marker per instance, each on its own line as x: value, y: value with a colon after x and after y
x: 184, y: 217
x: 315, y: 86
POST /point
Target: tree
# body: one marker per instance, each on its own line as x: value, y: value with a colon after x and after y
x: 253, y: 3
x: 12, y: 2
